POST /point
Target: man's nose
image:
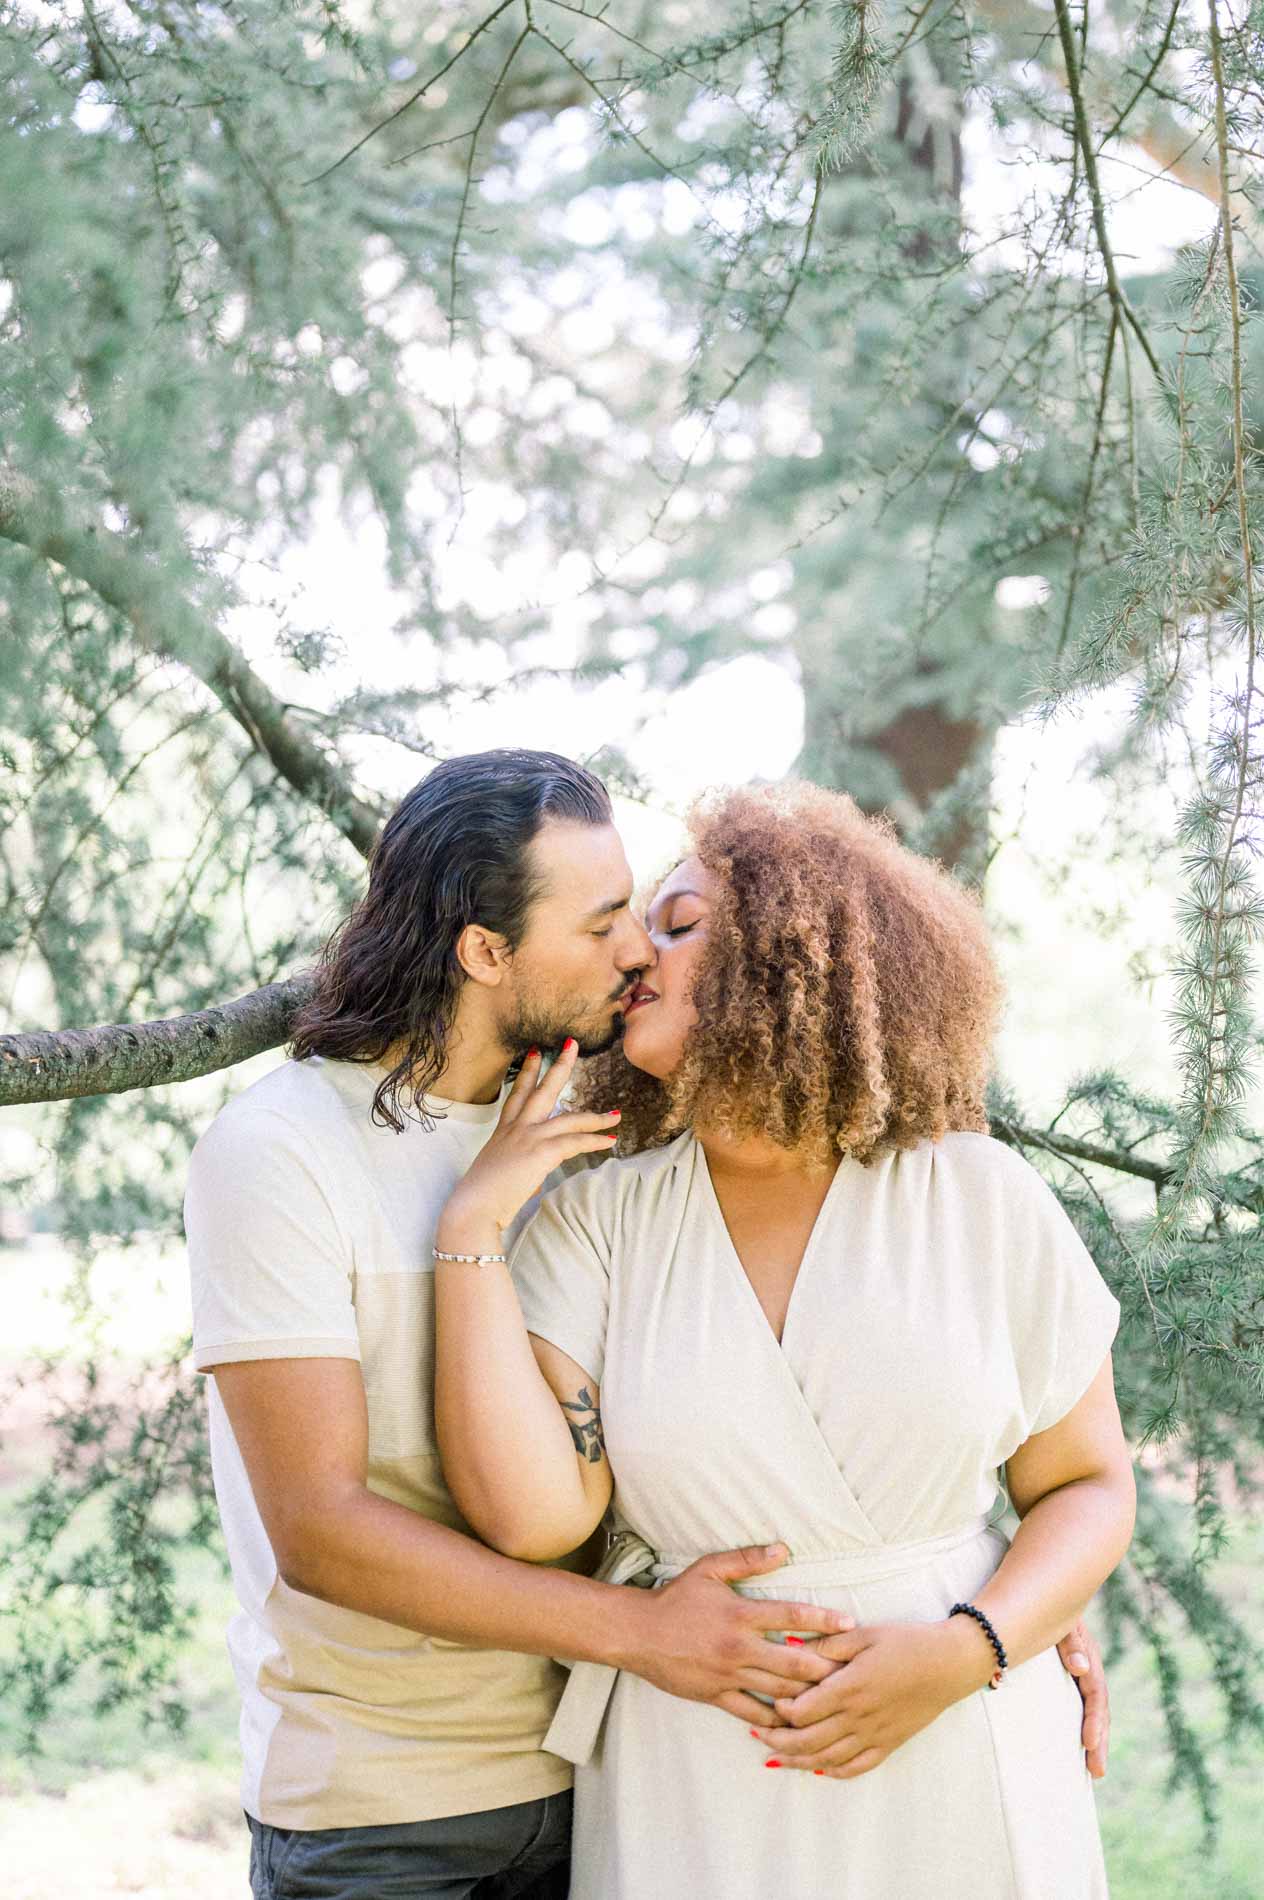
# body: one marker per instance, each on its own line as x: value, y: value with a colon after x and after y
x: 637, y: 952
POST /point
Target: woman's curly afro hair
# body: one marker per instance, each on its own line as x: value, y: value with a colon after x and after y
x: 846, y: 995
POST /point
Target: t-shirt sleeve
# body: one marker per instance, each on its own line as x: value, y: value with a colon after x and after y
x: 269, y: 1262
x: 561, y: 1267
x: 1067, y: 1314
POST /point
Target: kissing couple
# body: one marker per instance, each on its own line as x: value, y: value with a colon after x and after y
x: 646, y: 1296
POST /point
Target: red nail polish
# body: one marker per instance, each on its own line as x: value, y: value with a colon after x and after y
x: 818, y: 1771
x: 569, y: 1044
x: 753, y: 1733
x: 774, y: 1763
x: 795, y: 1642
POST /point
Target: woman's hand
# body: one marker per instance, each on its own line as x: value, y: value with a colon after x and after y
x: 892, y: 1679
x: 528, y: 1143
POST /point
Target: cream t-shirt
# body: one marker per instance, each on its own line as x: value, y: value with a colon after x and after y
x: 309, y: 1233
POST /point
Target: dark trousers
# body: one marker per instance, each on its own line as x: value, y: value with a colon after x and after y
x: 515, y: 1853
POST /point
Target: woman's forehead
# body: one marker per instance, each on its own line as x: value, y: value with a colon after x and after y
x: 690, y: 875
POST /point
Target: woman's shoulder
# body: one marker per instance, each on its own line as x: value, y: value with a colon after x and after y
x: 607, y: 1181
x: 996, y: 1179
x: 1006, y: 1199
x: 981, y: 1154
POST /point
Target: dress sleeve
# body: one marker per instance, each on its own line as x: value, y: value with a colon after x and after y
x: 1067, y: 1315
x: 561, y: 1267
x: 269, y: 1262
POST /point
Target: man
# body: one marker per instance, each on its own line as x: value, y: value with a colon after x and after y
x: 394, y: 1673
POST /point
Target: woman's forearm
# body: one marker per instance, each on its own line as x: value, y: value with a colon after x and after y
x: 508, y: 1455
x: 1065, y: 1547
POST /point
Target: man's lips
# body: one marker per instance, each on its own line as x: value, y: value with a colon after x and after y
x: 640, y: 995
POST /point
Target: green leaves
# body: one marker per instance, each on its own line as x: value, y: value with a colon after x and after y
x: 861, y: 68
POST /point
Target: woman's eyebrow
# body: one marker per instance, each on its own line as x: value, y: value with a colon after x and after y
x: 671, y: 899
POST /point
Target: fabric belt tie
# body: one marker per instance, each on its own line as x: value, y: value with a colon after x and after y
x: 576, y: 1725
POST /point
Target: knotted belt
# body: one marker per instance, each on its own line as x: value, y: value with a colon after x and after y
x: 629, y: 1559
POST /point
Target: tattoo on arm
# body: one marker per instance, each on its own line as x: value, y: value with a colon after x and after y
x: 585, y: 1426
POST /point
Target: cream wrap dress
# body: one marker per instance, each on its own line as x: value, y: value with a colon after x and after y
x: 945, y: 1311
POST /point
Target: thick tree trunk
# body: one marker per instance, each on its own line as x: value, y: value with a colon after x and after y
x: 924, y: 746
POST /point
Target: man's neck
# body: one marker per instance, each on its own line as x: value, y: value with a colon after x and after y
x: 475, y: 1065
x: 472, y: 1075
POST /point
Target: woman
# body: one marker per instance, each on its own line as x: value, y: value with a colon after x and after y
x: 811, y: 1300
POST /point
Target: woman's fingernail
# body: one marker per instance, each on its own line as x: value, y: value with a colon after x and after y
x: 614, y: 1113
x: 818, y: 1771
x: 754, y: 1734
x: 1078, y: 1661
x: 532, y: 1054
x: 568, y: 1045
x: 795, y: 1642
x: 772, y: 1762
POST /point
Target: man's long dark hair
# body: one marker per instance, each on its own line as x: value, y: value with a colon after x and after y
x: 455, y: 851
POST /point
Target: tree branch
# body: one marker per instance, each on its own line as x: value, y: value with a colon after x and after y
x: 466, y: 42
x: 1015, y: 1135
x: 170, y: 626
x: 56, y: 1065
x: 1162, y: 137
x: 1088, y: 154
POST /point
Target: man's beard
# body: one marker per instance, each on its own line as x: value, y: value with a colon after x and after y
x: 543, y: 1027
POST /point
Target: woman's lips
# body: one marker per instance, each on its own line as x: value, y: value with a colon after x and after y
x: 638, y: 999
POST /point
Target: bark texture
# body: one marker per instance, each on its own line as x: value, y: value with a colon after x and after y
x: 56, y: 1065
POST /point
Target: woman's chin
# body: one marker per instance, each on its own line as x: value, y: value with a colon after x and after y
x: 643, y: 1049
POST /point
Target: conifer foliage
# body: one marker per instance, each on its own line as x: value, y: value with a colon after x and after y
x: 780, y: 328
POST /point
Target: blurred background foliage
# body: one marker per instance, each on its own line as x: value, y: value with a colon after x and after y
x: 629, y: 343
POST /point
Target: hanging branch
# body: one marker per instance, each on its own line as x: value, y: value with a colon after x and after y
x: 165, y: 623
x: 1144, y: 84
x: 1079, y: 538
x: 1164, y: 138
x: 413, y: 98
x: 1227, y: 914
x: 1088, y: 154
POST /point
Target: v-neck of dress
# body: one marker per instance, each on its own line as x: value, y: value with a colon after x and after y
x: 735, y: 1259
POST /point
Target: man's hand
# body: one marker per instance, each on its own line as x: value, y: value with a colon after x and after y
x: 697, y: 1638
x: 1082, y: 1659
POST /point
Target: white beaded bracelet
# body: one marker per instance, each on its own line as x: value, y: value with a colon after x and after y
x: 473, y: 1259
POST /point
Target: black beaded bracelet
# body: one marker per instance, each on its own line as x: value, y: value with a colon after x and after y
x: 1002, y: 1661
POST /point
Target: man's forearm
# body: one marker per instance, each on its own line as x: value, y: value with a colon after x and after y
x: 369, y: 1554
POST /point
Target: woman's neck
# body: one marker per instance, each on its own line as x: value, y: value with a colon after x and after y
x: 755, y: 1157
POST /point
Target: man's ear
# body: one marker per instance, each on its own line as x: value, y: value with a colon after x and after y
x: 484, y: 955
